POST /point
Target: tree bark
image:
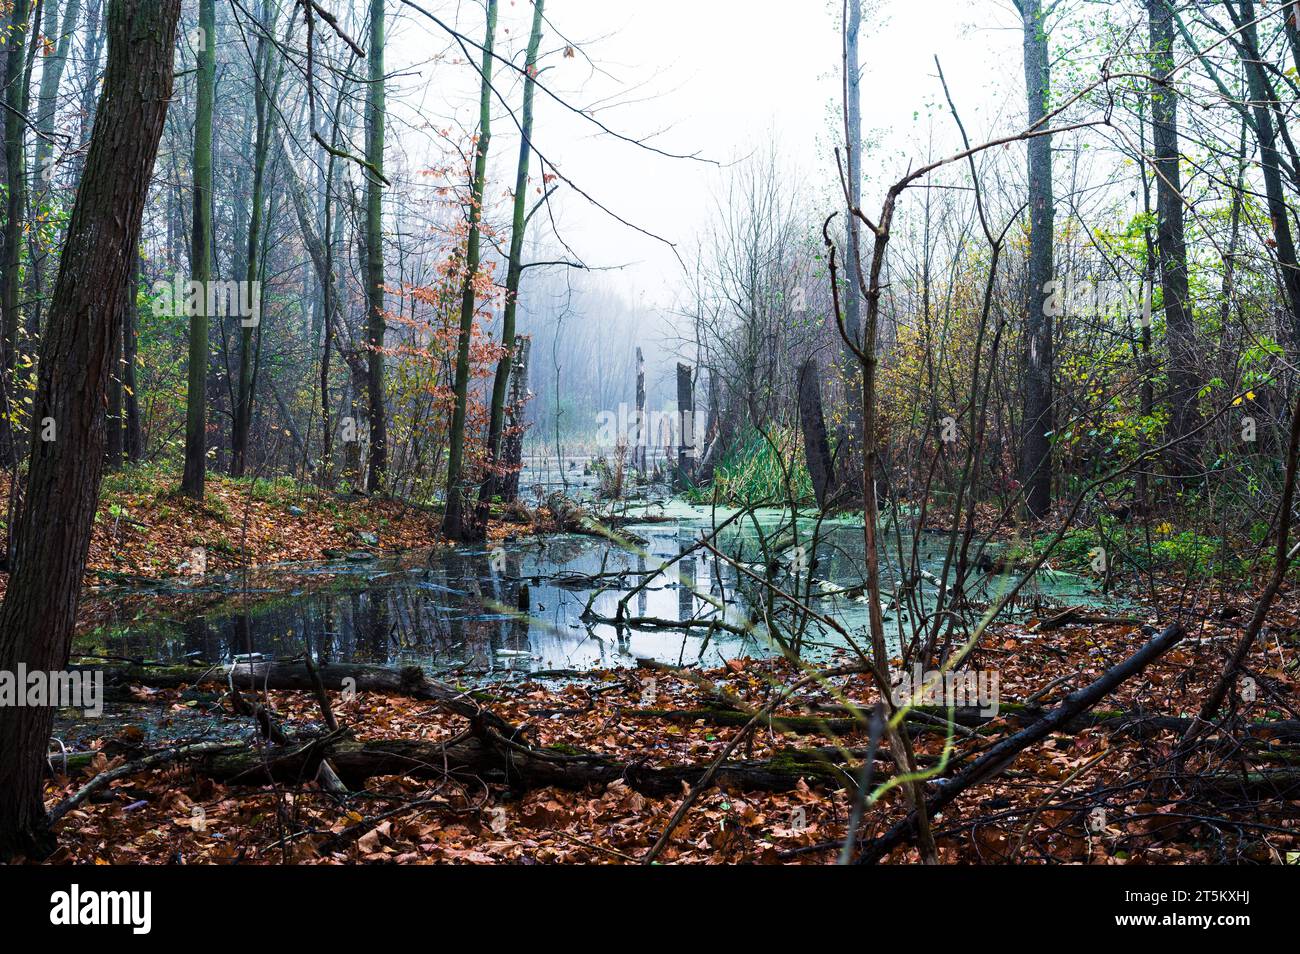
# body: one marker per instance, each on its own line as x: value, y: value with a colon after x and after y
x: 375, y: 324
x: 512, y: 444
x: 1261, y: 95
x: 494, y: 480
x: 686, y: 427
x: 47, y: 99
x: 1036, y: 449
x: 454, y: 524
x: 817, y: 449
x: 849, y: 454
x: 53, y: 532
x: 1180, y: 335
x: 115, y: 450
x: 642, y: 426
x: 250, y: 330
x: 15, y: 101
x: 196, y: 405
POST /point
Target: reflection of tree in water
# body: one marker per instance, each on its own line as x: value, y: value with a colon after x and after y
x: 686, y: 585
x: 201, y: 641
x: 376, y: 629
x: 461, y: 608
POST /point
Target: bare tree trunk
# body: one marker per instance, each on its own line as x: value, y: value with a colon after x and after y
x: 196, y: 400
x: 375, y: 324
x: 712, y: 429
x: 849, y: 454
x: 47, y: 99
x: 514, y: 269
x: 250, y: 330
x: 15, y: 103
x: 53, y: 532
x: 642, y: 429
x: 513, y: 441
x: 686, y: 427
x: 1261, y: 95
x: 453, y: 524
x: 1036, y: 449
x: 817, y: 449
x: 1180, y: 335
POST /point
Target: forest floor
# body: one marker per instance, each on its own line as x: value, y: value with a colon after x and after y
x: 1042, y: 809
x: 1236, y: 800
x: 145, y: 529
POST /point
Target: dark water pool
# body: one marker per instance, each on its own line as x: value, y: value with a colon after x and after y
x: 520, y: 605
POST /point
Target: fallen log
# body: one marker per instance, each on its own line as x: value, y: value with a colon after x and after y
x: 480, y: 753
x: 413, y: 682
x: 491, y: 748
x: 267, y: 674
x: 1078, y: 616
x: 271, y: 674
x: 663, y: 623
x: 126, y: 770
x: 1276, y: 783
x: 799, y: 725
x: 569, y: 517
x: 837, y: 720
x: 1001, y: 755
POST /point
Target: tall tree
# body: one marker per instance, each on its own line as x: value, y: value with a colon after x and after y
x: 92, y: 54
x: 47, y: 100
x: 196, y: 405
x: 453, y: 523
x: 1171, y: 245
x: 375, y: 323
x: 1262, y: 95
x: 514, y: 270
x: 1036, y: 446
x: 250, y: 330
x: 53, y: 531
x: 850, y: 454
x: 15, y: 105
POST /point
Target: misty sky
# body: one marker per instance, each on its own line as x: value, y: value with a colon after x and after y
x: 718, y: 78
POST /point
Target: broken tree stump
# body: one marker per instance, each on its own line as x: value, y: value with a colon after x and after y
x: 685, y: 427
x: 817, y: 447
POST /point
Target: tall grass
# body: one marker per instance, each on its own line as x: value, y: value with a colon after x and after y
x: 751, y: 472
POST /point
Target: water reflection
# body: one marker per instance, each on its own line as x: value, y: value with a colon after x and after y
x: 520, y: 606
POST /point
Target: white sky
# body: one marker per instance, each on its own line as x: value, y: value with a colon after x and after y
x: 716, y: 77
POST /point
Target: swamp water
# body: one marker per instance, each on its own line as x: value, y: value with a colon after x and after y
x: 460, y: 612
x: 464, y: 609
